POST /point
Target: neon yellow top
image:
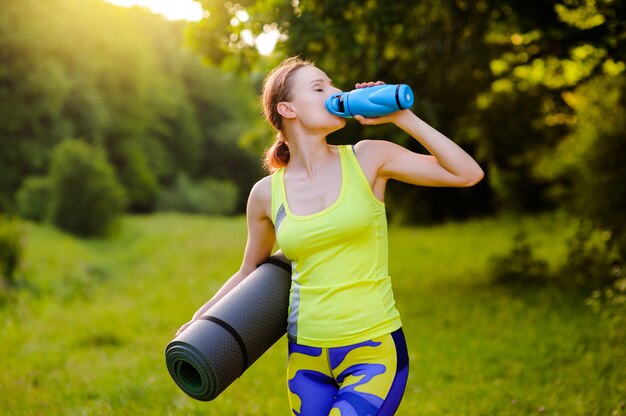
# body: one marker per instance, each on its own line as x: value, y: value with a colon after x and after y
x: 341, y: 290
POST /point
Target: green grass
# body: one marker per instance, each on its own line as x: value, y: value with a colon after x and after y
x: 87, y: 337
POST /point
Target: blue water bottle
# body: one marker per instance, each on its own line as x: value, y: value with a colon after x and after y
x: 374, y: 101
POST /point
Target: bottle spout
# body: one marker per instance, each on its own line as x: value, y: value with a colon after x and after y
x: 335, y: 104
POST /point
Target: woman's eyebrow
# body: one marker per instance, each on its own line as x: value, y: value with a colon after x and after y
x: 330, y: 81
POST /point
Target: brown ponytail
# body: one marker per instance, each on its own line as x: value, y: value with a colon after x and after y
x: 276, y: 155
x: 277, y: 88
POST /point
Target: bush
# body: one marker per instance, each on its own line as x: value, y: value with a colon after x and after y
x: 587, y: 167
x: 600, y: 191
x: 136, y: 176
x: 519, y: 266
x: 33, y: 198
x: 209, y: 197
x: 11, y: 248
x: 86, y: 197
x: 593, y: 260
x: 610, y: 303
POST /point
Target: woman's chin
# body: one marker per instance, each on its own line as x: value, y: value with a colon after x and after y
x: 336, y: 129
x: 341, y: 122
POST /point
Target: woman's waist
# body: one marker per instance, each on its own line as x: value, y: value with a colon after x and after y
x: 308, y: 285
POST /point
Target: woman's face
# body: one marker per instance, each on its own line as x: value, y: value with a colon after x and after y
x: 310, y: 89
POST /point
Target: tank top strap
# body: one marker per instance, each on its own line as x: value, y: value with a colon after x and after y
x: 356, y: 177
x: 277, y: 195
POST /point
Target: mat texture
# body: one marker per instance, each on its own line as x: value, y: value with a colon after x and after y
x: 217, y: 348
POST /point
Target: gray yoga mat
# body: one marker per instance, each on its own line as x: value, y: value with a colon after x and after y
x: 215, y: 350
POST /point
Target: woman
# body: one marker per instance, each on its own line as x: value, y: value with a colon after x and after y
x: 324, y: 206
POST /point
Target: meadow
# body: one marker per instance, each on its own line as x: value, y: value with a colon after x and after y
x: 86, y: 332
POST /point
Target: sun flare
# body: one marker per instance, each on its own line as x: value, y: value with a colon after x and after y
x: 191, y: 10
x: 173, y: 10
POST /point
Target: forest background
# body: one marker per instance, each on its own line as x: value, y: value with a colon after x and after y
x: 533, y: 91
x: 109, y: 113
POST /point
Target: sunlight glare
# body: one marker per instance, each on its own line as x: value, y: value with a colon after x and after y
x: 192, y: 10
x: 266, y: 42
x: 172, y: 10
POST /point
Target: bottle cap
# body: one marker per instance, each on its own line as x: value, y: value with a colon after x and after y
x: 404, y: 96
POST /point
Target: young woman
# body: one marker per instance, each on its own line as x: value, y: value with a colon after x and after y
x: 324, y: 205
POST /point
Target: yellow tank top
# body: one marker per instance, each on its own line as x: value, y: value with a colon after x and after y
x: 341, y: 290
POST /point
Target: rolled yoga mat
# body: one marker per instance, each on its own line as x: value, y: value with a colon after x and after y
x: 218, y: 348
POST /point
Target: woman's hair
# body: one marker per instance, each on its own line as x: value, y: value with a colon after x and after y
x: 277, y: 88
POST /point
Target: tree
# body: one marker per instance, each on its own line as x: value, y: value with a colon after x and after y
x: 86, y: 198
x: 435, y: 47
x: 33, y: 90
x: 492, y: 75
x: 134, y: 92
x: 544, y: 52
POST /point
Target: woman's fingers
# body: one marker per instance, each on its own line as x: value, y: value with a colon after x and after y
x: 368, y: 84
x: 367, y: 121
x: 373, y: 121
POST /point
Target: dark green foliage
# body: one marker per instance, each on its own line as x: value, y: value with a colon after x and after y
x: 151, y: 105
x: 135, y: 174
x: 520, y: 266
x: 223, y: 117
x: 511, y: 140
x: 33, y: 198
x: 593, y: 259
x: 547, y: 53
x: 437, y: 48
x: 11, y: 248
x: 86, y: 197
x: 603, y: 190
x: 610, y: 303
x: 600, y: 192
x: 495, y: 76
x: 587, y: 170
x: 209, y: 197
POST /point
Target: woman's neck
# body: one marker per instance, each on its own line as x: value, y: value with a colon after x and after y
x: 308, y: 153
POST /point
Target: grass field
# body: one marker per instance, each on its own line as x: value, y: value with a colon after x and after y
x: 87, y: 337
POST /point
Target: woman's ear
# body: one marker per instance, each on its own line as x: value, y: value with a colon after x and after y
x: 285, y: 110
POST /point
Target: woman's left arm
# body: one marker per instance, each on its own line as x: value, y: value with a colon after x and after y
x: 448, y: 164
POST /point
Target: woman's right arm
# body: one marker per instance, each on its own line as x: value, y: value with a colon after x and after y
x: 261, y: 239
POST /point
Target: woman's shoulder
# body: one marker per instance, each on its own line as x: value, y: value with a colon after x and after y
x: 261, y: 194
x: 262, y: 189
x: 370, y: 153
x: 370, y: 145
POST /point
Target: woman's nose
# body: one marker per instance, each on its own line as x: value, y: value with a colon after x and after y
x: 335, y: 90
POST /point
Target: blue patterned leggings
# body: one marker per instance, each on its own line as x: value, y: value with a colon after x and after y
x: 364, y: 379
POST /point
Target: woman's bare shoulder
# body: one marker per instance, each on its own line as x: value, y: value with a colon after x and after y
x: 261, y: 195
x: 263, y: 187
x: 371, y: 146
x: 369, y: 153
